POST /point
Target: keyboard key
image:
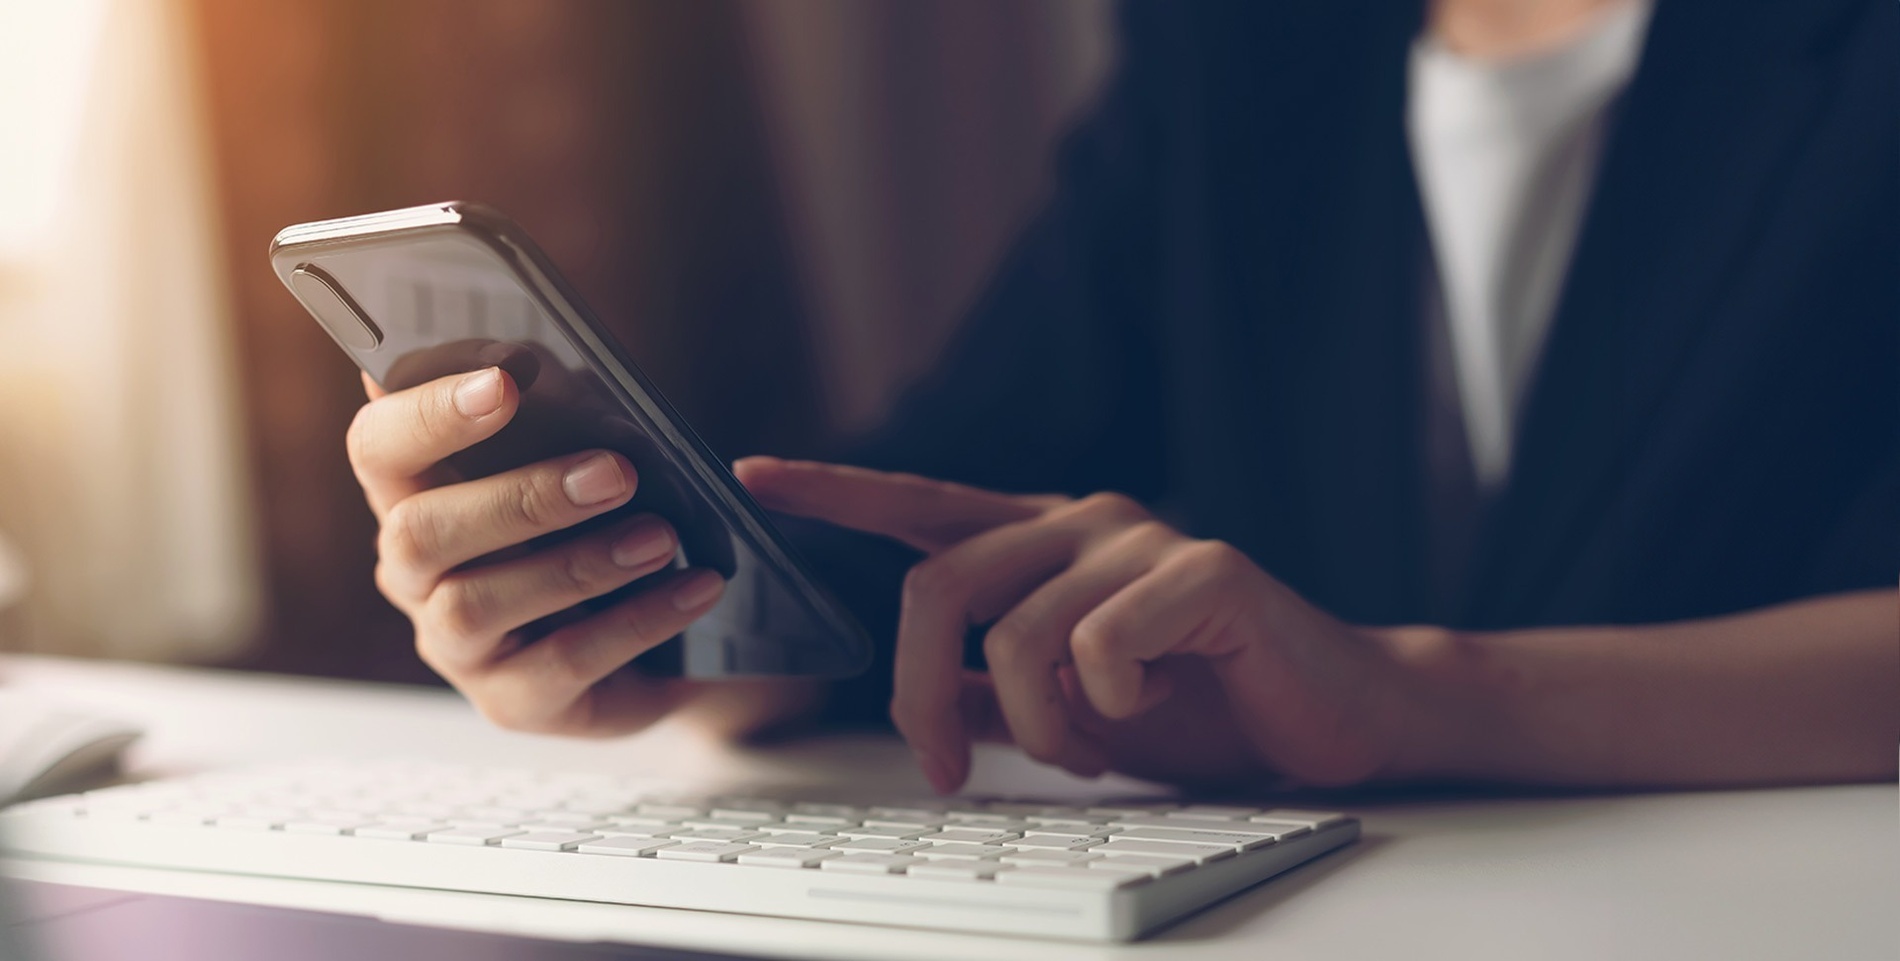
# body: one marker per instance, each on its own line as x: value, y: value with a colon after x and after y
x: 957, y: 870
x: 1279, y: 830
x: 1236, y: 840
x: 918, y: 813
x: 794, y: 839
x: 1142, y: 864
x: 476, y: 837
x: 624, y: 846
x: 1200, y: 853
x: 969, y: 836
x: 704, y: 851
x: 979, y: 817
x: 1133, y: 810
x: 909, y: 823
x: 399, y: 830
x: 800, y: 819
x: 867, y: 831
x: 187, y: 817
x: 960, y: 821
x: 1043, y: 856
x: 495, y: 814
x: 575, y: 818
x: 845, y: 811
x: 1039, y: 821
x: 323, y: 827
x: 639, y: 821
x: 735, y: 817
x: 548, y: 841
x: 1235, y: 827
x: 1094, y: 832
x: 256, y: 819
x: 663, y: 829
x: 880, y: 845
x: 1053, y: 841
x: 961, y: 851
x: 1312, y: 819
x: 1218, y: 812
x: 1060, y: 877
x: 787, y: 857
x: 558, y: 827
x: 719, y: 835
x: 868, y: 863
x: 675, y: 811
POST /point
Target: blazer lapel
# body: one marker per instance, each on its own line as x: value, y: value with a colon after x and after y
x: 1704, y: 131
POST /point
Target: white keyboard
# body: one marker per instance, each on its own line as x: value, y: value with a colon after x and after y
x: 1110, y: 872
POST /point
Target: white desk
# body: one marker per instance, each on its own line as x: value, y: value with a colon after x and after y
x: 1791, y: 873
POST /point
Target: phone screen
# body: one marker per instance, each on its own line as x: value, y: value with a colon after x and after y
x: 442, y: 300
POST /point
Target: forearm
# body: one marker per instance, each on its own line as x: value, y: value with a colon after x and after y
x: 1803, y: 692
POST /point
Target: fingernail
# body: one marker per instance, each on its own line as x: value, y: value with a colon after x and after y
x: 595, y: 480
x: 698, y: 591
x: 479, y: 394
x: 648, y: 540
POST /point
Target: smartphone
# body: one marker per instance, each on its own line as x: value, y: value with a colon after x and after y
x: 420, y: 293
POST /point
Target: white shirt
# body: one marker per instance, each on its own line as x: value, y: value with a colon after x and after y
x: 1506, y: 153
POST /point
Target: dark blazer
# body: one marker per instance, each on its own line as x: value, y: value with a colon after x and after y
x: 1218, y: 313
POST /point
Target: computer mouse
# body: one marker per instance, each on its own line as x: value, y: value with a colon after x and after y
x: 47, y: 748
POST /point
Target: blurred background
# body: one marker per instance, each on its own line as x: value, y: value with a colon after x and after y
x: 788, y: 201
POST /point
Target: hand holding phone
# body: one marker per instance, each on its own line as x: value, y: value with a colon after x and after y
x: 499, y: 617
x: 545, y: 516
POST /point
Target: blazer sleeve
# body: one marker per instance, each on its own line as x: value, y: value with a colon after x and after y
x: 1864, y: 551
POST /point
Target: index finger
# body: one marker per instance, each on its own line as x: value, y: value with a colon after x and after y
x: 398, y: 439
x: 926, y: 514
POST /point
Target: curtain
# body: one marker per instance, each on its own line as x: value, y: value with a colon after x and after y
x: 123, y: 479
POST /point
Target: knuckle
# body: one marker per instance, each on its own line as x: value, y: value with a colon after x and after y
x: 504, y: 713
x: 583, y: 572
x: 627, y: 627
x: 1005, y: 642
x: 1152, y: 532
x: 385, y: 579
x: 1110, y: 506
x: 460, y: 609
x: 1094, y: 640
x: 1214, y: 558
x: 534, y: 501
x: 436, y: 418
x: 512, y: 701
x: 356, y: 440
x: 407, y: 537
x: 428, y: 650
x: 932, y: 578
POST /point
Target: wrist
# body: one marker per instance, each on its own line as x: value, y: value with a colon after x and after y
x: 1447, y: 718
x: 742, y: 709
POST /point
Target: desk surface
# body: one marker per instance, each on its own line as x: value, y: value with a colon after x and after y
x: 1796, y: 872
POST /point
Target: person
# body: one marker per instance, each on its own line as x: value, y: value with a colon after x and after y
x: 1494, y: 390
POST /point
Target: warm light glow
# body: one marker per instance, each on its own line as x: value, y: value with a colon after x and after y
x: 47, y: 60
